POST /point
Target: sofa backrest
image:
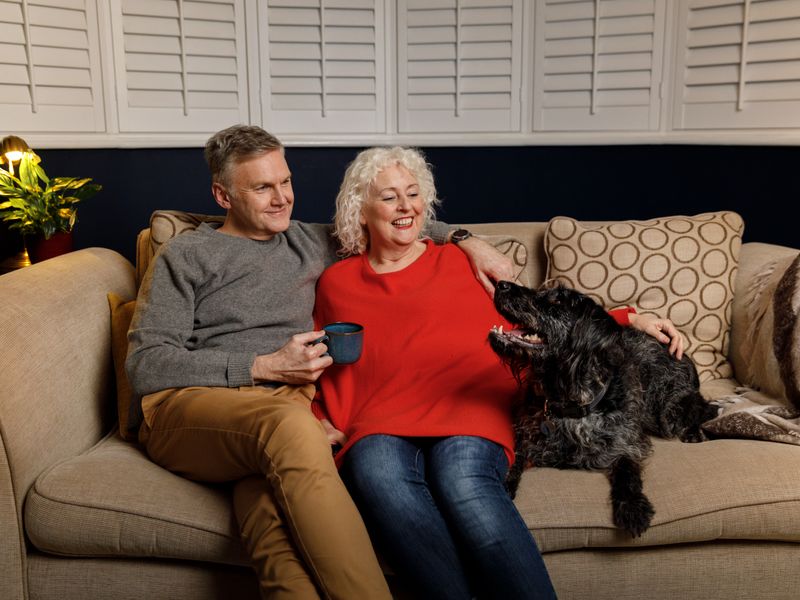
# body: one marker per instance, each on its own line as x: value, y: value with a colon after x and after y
x: 522, y: 241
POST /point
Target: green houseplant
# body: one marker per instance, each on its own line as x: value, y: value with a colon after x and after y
x: 38, y: 206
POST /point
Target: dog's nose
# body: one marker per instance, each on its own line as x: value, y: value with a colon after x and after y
x: 503, y: 286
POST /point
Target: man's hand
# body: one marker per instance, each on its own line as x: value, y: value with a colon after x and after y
x: 300, y: 361
x: 488, y: 263
x: 661, y: 329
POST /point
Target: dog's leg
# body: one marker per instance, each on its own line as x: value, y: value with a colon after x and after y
x: 632, y: 510
x: 694, y: 411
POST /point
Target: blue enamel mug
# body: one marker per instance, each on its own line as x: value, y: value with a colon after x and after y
x: 345, y: 341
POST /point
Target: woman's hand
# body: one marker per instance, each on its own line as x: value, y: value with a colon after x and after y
x: 661, y: 329
x: 335, y: 437
x: 488, y: 264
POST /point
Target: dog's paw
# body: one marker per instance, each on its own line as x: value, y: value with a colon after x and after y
x: 693, y: 435
x: 634, y: 516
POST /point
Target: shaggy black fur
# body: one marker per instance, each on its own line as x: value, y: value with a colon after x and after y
x: 596, y: 391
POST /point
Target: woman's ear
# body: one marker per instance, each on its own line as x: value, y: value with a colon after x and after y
x: 362, y: 219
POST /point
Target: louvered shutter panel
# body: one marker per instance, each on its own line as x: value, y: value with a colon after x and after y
x: 323, y: 66
x: 598, y: 65
x: 738, y: 64
x: 181, y: 64
x: 459, y: 65
x: 50, y: 77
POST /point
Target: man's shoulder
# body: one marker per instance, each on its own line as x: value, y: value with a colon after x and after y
x: 314, y: 230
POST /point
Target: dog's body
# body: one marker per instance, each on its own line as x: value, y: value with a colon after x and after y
x: 596, y: 392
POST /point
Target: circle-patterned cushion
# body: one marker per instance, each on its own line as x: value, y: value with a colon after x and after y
x: 678, y: 267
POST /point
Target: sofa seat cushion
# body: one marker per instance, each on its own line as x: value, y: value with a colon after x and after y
x: 716, y: 490
x: 113, y: 501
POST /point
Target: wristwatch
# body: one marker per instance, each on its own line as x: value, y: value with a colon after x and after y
x: 459, y: 235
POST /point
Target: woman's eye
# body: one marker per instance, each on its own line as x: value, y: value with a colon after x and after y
x: 388, y: 198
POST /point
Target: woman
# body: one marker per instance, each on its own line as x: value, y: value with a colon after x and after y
x: 424, y: 417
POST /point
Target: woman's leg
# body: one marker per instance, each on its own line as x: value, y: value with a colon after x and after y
x: 386, y: 477
x: 466, y: 476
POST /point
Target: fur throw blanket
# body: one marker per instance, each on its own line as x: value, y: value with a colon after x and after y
x: 753, y: 415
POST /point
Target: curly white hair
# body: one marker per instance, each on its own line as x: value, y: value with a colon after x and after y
x: 353, y: 237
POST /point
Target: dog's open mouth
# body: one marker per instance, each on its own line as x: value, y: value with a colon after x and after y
x: 522, y: 337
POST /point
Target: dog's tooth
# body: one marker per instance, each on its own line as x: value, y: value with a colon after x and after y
x: 500, y: 329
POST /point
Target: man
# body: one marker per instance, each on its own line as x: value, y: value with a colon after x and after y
x: 223, y: 353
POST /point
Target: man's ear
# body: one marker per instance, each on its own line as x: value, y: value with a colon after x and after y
x: 221, y: 195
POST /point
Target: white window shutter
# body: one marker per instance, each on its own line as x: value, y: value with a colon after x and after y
x: 322, y: 66
x: 738, y: 64
x: 50, y: 76
x: 181, y: 65
x: 459, y: 65
x: 598, y: 65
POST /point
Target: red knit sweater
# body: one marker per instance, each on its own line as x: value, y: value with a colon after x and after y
x: 427, y: 368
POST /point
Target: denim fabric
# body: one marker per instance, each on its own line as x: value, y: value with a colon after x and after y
x: 439, y: 514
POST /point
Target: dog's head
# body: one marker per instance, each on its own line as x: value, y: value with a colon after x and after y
x: 560, y: 334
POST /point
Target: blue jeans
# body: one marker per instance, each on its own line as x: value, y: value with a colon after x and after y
x: 439, y: 514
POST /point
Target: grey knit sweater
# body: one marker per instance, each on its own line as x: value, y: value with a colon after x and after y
x: 212, y: 302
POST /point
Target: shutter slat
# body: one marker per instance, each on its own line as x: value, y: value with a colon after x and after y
x: 586, y: 79
x: 184, y: 64
x: 458, y: 65
x: 716, y: 89
x: 52, y: 81
x: 322, y: 66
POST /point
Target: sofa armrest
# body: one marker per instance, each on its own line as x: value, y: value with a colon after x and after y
x: 56, y: 378
x: 753, y: 259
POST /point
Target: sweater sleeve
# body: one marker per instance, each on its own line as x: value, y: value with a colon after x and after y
x: 437, y: 231
x: 622, y: 315
x: 158, y: 357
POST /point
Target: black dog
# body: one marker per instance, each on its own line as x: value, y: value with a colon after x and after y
x: 596, y: 390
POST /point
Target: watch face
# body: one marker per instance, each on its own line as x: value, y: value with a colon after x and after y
x: 459, y: 235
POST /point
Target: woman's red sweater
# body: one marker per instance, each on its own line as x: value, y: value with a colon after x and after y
x: 427, y: 368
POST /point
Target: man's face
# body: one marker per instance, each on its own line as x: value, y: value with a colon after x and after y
x: 258, y: 197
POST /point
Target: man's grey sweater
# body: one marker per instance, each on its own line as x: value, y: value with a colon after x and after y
x: 212, y: 302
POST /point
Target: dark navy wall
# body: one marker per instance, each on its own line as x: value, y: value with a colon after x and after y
x: 476, y: 185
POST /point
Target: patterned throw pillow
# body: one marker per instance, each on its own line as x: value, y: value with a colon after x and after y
x: 678, y: 267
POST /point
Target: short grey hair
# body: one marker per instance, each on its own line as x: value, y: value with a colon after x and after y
x: 353, y: 237
x: 235, y: 144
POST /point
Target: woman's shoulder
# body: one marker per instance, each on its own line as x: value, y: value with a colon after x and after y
x: 341, y: 268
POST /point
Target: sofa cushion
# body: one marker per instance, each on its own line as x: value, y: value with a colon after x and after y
x: 682, y: 268
x: 718, y: 490
x: 121, y: 315
x: 113, y: 501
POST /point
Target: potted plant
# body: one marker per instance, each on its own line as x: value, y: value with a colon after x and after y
x: 43, y: 210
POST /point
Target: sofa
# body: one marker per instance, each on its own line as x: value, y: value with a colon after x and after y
x: 85, y: 514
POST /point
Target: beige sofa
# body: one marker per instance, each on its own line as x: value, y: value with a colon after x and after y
x: 84, y: 514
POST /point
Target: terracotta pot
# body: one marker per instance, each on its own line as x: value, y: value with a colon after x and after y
x: 40, y: 249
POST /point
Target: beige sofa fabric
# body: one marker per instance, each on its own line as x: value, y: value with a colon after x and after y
x: 113, y: 501
x: 726, y: 521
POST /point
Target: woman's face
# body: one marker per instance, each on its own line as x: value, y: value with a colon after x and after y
x: 394, y: 209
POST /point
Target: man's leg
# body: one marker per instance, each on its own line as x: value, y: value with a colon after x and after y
x: 221, y: 434
x: 281, y: 572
